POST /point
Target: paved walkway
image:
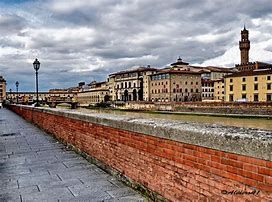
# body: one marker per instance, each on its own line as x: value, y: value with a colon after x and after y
x: 35, y: 167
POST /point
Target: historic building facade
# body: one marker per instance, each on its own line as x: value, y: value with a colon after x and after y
x: 219, y: 89
x: 31, y: 97
x: 171, y: 85
x: 130, y: 85
x: 207, y: 89
x: 249, y: 86
x: 2, y: 89
x: 209, y: 76
x: 95, y: 92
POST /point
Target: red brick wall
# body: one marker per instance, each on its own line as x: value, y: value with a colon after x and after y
x: 177, y: 171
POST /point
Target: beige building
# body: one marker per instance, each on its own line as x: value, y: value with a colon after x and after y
x: 2, y: 89
x: 219, y: 90
x: 93, y: 93
x: 131, y: 85
x: 250, y: 86
x: 175, y: 85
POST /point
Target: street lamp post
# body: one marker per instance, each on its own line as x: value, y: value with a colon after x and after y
x: 10, y: 98
x: 17, y: 85
x: 36, y: 65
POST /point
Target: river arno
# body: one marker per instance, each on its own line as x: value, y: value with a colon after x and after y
x: 227, y: 121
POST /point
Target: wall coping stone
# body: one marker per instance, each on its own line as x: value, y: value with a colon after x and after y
x: 255, y: 143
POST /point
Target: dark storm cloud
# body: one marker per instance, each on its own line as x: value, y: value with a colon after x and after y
x: 84, y: 40
x: 11, y: 24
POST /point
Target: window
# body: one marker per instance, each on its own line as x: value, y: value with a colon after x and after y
x: 256, y: 98
x: 231, y: 80
x: 231, y: 87
x: 231, y: 98
x: 186, y: 90
x: 256, y: 86
x: 196, y: 90
x: 268, y: 78
x: 255, y: 78
x: 174, y: 90
x: 243, y: 87
x: 244, y: 79
x: 192, y: 83
x: 269, y: 86
x: 196, y: 83
x: 268, y: 97
x: 243, y: 96
x: 192, y: 90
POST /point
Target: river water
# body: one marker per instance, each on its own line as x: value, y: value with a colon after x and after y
x: 227, y: 121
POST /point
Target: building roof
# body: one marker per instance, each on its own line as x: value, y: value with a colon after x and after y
x: 250, y: 73
x: 219, y: 69
x: 172, y: 71
x: 207, y: 81
x: 179, y: 62
x: 139, y: 69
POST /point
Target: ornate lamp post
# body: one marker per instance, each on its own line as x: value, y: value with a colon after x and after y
x: 36, y: 65
x: 10, y: 98
x: 17, y: 85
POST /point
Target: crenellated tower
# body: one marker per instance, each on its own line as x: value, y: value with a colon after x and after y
x: 244, y: 46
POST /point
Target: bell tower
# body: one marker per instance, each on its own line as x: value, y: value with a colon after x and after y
x: 244, y: 46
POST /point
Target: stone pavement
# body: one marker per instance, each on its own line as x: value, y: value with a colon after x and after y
x: 35, y: 167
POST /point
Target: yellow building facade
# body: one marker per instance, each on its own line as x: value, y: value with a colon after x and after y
x: 219, y: 90
x: 249, y: 86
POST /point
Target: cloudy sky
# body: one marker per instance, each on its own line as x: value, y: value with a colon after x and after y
x: 85, y: 40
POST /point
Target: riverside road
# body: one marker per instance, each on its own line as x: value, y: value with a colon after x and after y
x: 35, y: 167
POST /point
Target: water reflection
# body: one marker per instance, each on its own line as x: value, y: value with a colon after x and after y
x: 227, y: 121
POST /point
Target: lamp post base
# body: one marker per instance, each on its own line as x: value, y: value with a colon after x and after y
x: 37, y: 104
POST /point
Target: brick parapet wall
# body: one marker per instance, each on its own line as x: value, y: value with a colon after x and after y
x: 172, y: 160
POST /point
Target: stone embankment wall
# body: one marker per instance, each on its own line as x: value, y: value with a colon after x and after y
x: 205, y: 107
x: 176, y: 161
